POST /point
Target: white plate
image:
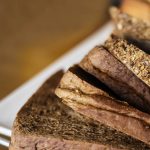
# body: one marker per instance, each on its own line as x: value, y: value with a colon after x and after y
x: 10, y: 105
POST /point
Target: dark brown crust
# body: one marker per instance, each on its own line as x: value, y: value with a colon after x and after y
x: 103, y: 108
x: 100, y: 63
x: 45, y: 122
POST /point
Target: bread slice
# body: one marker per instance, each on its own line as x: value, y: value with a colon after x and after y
x: 122, y: 81
x: 46, y: 123
x: 133, y: 29
x: 89, y: 100
x: 135, y: 59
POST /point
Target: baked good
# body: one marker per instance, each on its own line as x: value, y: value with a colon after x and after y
x: 131, y: 56
x: 88, y: 99
x: 46, y: 123
x: 122, y: 81
x: 133, y: 29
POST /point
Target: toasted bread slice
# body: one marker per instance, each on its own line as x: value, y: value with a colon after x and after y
x: 89, y: 100
x: 122, y: 81
x: 44, y: 122
x: 131, y: 56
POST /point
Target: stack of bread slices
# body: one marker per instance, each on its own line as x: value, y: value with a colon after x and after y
x: 102, y: 103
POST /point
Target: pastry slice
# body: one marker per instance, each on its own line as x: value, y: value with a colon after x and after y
x: 133, y: 29
x: 45, y: 123
x: 114, y: 74
x: 91, y: 98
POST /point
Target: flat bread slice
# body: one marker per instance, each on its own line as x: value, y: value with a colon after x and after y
x: 45, y: 123
x: 91, y: 101
x: 115, y: 75
x: 131, y: 56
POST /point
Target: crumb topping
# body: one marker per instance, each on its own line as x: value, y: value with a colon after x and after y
x: 135, y: 59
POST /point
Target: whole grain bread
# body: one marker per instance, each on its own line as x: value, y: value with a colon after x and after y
x: 132, y: 29
x: 131, y: 56
x: 109, y: 70
x: 89, y: 100
x: 44, y: 122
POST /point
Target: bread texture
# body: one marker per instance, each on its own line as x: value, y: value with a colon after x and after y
x: 131, y: 56
x: 114, y: 74
x: 93, y: 102
x: 44, y: 122
x: 130, y: 25
x: 133, y: 29
x: 101, y: 103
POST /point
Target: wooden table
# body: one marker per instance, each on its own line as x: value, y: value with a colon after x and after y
x: 35, y: 33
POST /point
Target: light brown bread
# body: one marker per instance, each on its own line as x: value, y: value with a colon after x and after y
x: 46, y: 123
x: 89, y: 100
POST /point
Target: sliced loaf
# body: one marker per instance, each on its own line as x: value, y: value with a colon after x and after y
x: 46, y: 123
x: 89, y: 100
x: 131, y: 56
x: 132, y: 29
x: 122, y: 81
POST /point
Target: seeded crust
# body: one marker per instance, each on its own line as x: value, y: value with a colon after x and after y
x: 132, y: 29
x: 103, y: 108
x: 128, y: 25
x: 135, y: 59
x: 105, y: 67
x: 46, y: 123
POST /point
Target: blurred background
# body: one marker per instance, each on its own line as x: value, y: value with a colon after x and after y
x: 35, y: 33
